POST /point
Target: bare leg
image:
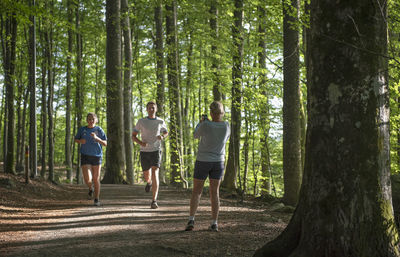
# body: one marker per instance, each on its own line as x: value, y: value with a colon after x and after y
x: 87, y: 178
x: 196, y: 194
x: 214, y: 197
x: 147, y: 176
x: 155, y: 181
x: 96, y: 180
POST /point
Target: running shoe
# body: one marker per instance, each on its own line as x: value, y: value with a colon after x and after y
x: 154, y: 205
x: 91, y: 191
x: 214, y: 227
x: 96, y: 202
x: 190, y: 225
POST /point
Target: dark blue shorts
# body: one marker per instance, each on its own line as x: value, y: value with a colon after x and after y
x: 215, y: 170
x: 90, y: 160
x: 150, y: 159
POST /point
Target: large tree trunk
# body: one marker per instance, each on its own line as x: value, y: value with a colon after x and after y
x: 291, y: 104
x: 127, y: 90
x: 114, y: 169
x: 32, y: 94
x: 233, y: 165
x: 345, y: 206
x: 68, y: 154
x: 9, y: 81
x: 174, y: 98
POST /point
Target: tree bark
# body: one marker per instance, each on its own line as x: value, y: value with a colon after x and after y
x: 9, y: 81
x: 43, y: 113
x: 50, y: 96
x: 345, y: 207
x: 159, y: 48
x: 114, y: 169
x: 79, y: 87
x: 214, y: 50
x: 233, y: 165
x: 264, y: 110
x: 125, y: 23
x: 68, y: 142
x: 32, y: 94
x: 291, y: 104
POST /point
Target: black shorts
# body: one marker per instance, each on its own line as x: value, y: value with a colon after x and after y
x: 215, y: 170
x: 90, y: 160
x: 150, y: 159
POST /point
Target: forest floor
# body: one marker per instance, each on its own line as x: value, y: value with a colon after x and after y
x: 44, y: 219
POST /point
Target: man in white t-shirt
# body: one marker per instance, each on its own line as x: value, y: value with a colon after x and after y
x: 153, y: 130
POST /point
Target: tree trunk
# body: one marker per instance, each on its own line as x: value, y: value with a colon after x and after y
x: 79, y: 87
x: 264, y: 110
x: 246, y: 148
x: 159, y: 48
x: 188, y: 138
x: 32, y: 94
x: 43, y: 113
x: 68, y: 155
x: 291, y: 104
x: 125, y: 23
x: 24, y: 125
x: 345, y: 206
x: 2, y: 121
x: 177, y: 177
x: 50, y: 84
x: 214, y: 51
x: 233, y: 165
x: 114, y: 170
x: 19, y: 99
x: 9, y: 81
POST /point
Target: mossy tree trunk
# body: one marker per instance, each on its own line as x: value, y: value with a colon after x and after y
x: 345, y: 206
x: 177, y: 176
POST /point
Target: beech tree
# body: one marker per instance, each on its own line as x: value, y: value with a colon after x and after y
x: 291, y: 103
x: 345, y: 206
x: 32, y: 94
x: 115, y: 152
x: 233, y: 164
x: 127, y: 90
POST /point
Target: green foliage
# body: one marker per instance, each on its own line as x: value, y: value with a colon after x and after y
x: 394, y: 82
x: 197, y: 77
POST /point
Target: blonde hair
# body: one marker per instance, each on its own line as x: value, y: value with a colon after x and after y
x: 217, y: 108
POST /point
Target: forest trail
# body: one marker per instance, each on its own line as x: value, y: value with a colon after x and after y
x: 126, y: 226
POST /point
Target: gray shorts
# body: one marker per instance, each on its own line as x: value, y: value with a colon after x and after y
x: 150, y: 159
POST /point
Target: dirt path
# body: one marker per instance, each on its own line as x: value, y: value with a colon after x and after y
x: 126, y: 226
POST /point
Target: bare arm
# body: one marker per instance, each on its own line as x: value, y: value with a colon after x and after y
x: 99, y: 140
x: 80, y: 141
x: 137, y: 140
x: 163, y: 135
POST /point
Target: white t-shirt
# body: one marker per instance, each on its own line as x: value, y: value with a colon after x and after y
x: 149, y: 129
